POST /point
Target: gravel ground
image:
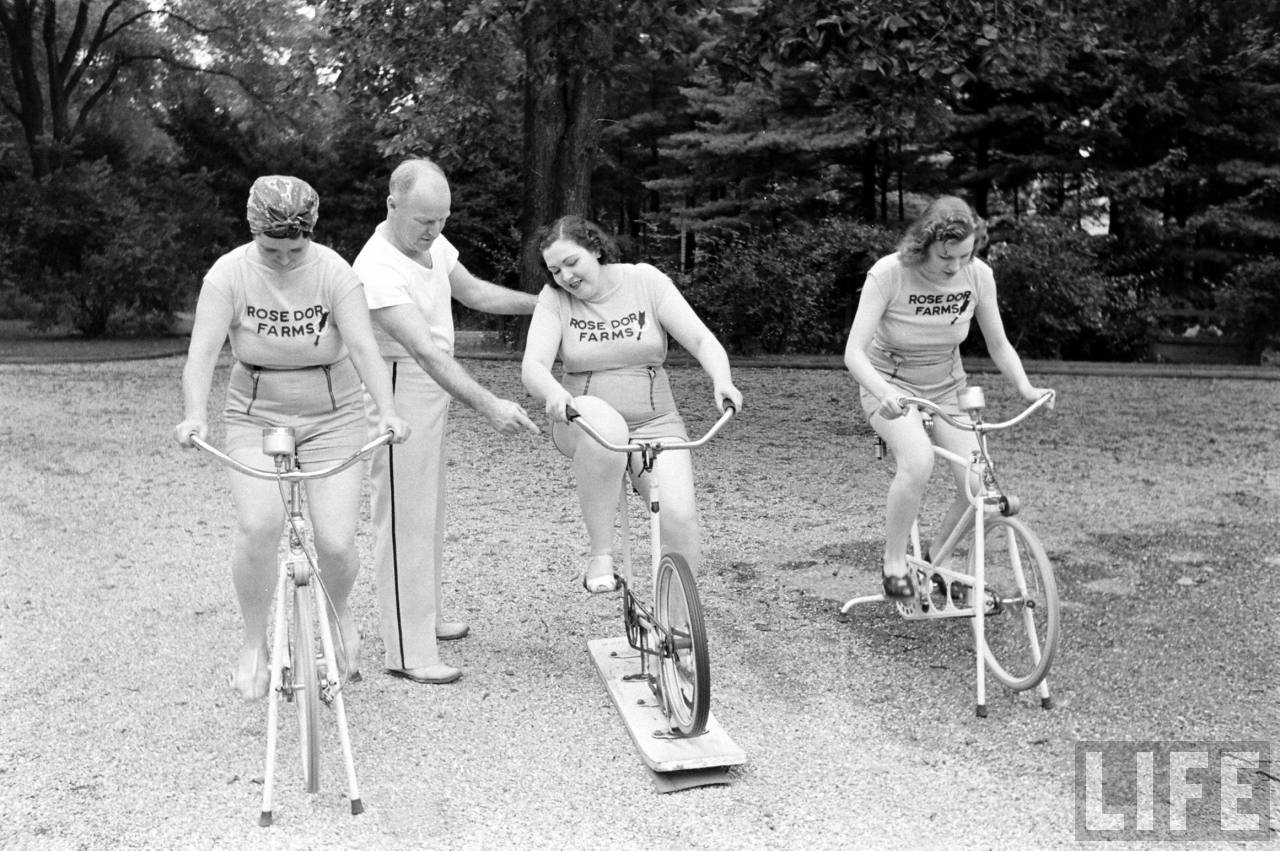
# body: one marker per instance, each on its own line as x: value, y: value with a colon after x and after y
x: 1157, y: 500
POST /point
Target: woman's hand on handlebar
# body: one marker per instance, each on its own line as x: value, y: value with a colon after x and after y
x: 1032, y: 394
x: 398, y: 427
x: 556, y: 404
x: 183, y: 431
x: 891, y: 406
x: 727, y: 394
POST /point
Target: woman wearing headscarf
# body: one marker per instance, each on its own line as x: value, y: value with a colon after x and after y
x: 299, y: 328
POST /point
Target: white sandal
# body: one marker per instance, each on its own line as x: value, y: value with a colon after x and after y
x: 599, y: 578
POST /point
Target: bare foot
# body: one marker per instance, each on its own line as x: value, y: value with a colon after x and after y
x: 252, y: 676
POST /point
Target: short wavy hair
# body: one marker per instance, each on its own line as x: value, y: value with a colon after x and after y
x: 578, y: 230
x: 946, y: 219
x: 586, y: 233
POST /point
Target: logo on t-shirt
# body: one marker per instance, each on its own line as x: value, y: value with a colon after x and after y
x: 301, y: 322
x: 607, y: 330
x: 940, y: 304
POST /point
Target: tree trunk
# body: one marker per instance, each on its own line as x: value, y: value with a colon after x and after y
x: 564, y: 99
x: 867, y: 204
x: 982, y: 185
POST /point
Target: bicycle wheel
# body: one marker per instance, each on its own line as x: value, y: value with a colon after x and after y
x: 1021, y: 615
x: 306, y: 688
x: 685, y: 665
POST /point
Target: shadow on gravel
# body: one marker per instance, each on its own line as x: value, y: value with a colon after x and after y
x: 1160, y: 626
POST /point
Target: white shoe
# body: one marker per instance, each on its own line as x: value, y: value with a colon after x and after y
x: 452, y: 630
x: 600, y: 578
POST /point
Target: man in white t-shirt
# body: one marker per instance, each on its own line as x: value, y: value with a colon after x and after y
x: 411, y: 273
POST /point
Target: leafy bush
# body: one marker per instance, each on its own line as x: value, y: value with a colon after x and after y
x: 1058, y: 301
x: 1249, y: 302
x: 100, y: 251
x: 793, y: 289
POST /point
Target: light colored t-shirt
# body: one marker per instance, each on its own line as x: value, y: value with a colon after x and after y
x: 391, y: 278
x: 281, y: 319
x: 618, y: 330
x: 925, y: 322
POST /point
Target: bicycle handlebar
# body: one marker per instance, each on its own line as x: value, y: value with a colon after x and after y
x: 291, y: 475
x: 976, y: 426
x: 574, y: 416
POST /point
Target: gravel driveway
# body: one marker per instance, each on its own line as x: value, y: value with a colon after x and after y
x: 1158, y: 501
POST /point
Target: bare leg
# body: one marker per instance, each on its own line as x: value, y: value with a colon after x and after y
x: 597, y: 471
x: 962, y: 443
x: 680, y: 530
x: 913, y: 452
x: 259, y: 517
x: 597, y: 476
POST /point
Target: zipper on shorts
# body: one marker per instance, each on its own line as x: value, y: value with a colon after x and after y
x: 328, y: 380
x: 256, y: 375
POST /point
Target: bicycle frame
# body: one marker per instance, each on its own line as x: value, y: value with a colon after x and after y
x: 296, y: 570
x: 640, y: 622
x: 984, y: 495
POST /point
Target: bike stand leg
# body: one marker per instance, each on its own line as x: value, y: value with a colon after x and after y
x: 1046, y: 702
x: 339, y: 709
x: 980, y: 647
x: 273, y: 707
x: 872, y: 598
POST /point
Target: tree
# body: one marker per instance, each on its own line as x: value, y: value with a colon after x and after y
x: 1184, y: 141
x: 64, y: 61
x: 572, y: 50
x: 528, y: 80
x: 895, y: 79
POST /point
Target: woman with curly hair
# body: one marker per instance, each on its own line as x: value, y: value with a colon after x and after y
x: 914, y: 312
x: 608, y: 323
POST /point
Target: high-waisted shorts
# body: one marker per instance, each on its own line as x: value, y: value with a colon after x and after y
x: 323, y: 404
x: 641, y: 394
x: 940, y: 381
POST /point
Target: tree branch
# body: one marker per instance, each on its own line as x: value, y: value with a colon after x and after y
x: 173, y: 62
x: 66, y: 62
x: 90, y: 102
x: 100, y: 38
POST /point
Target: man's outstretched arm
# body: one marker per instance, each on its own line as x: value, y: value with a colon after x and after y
x: 407, y: 327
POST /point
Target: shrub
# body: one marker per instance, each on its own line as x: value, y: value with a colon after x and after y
x: 793, y: 289
x: 1249, y: 302
x: 100, y: 251
x: 1056, y: 298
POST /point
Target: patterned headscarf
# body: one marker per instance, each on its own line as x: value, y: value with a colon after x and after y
x: 284, y: 206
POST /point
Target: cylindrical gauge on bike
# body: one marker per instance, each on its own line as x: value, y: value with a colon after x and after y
x: 277, y: 441
x: 972, y: 399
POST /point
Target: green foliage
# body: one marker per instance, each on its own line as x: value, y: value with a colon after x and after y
x: 1249, y: 302
x: 1056, y: 298
x: 105, y: 252
x: 793, y: 289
